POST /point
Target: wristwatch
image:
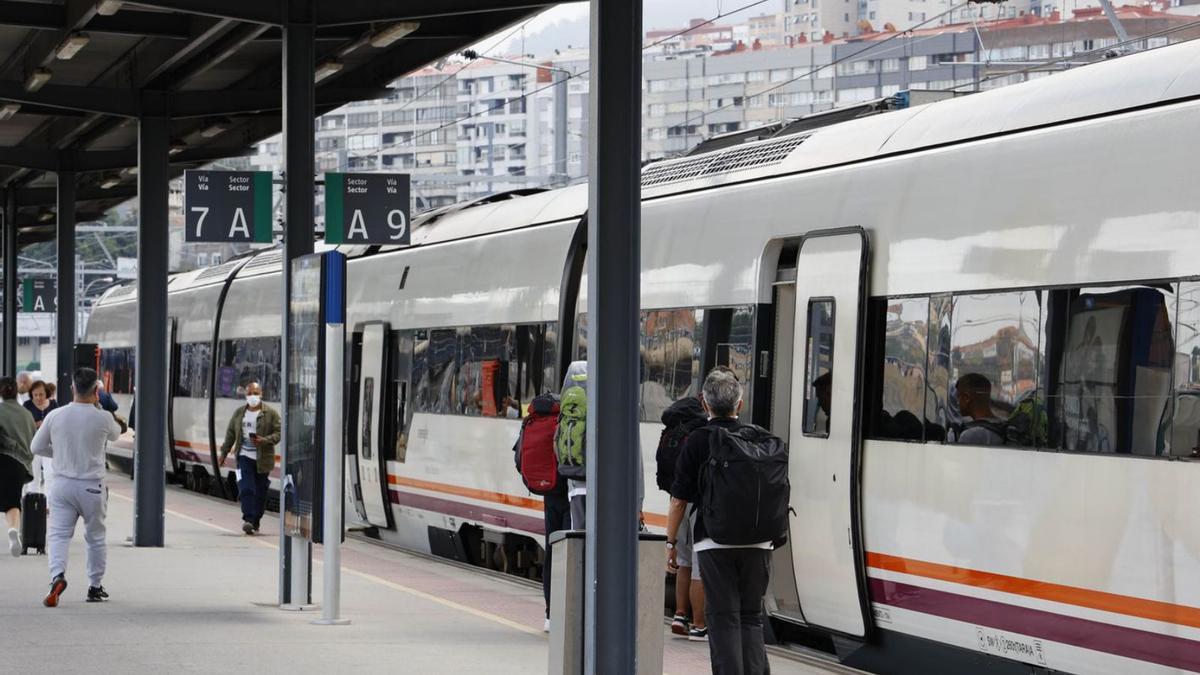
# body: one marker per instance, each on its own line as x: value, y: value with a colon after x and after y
x: 670, y: 546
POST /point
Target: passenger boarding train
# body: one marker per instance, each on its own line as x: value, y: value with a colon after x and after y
x: 1003, y: 288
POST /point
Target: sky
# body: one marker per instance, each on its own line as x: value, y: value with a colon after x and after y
x: 567, y: 25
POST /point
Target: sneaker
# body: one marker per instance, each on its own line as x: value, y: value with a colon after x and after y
x: 56, y: 589
x: 679, y: 625
x: 546, y: 626
x: 248, y: 527
x: 97, y: 594
x: 256, y: 527
x: 698, y: 634
x: 14, y: 542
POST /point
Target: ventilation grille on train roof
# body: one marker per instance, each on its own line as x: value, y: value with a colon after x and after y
x: 123, y: 292
x: 218, y: 272
x: 736, y: 159
x: 268, y: 259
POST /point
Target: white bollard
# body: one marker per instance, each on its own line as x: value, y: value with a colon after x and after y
x: 335, y: 341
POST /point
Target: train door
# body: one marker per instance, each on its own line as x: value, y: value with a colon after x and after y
x: 827, y: 555
x: 173, y: 464
x: 372, y: 375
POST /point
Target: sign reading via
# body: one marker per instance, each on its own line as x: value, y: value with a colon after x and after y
x: 367, y: 208
x: 227, y: 206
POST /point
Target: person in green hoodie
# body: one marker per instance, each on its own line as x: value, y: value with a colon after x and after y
x: 252, y: 434
x: 16, y: 430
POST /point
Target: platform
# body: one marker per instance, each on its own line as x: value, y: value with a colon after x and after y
x: 206, y: 603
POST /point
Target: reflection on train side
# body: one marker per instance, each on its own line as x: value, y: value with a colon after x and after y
x: 1087, y: 369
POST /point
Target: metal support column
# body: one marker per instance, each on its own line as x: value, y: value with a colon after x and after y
x: 66, y: 312
x: 560, y: 127
x: 10, y: 282
x: 299, y: 110
x: 614, y: 263
x: 150, y: 379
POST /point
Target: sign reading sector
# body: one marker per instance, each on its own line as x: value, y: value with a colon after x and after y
x: 227, y: 206
x: 38, y: 296
x: 367, y: 208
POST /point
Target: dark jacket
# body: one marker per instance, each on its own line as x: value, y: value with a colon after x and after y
x: 16, y: 430
x: 268, y: 426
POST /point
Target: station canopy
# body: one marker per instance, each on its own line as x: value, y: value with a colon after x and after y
x: 75, y: 75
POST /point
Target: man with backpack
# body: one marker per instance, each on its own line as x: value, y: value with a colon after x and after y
x: 981, y: 426
x: 736, y: 475
x: 538, y: 467
x: 680, y: 419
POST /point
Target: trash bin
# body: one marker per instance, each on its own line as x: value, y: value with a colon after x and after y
x: 567, y: 603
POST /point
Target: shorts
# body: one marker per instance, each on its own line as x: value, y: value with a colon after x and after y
x: 12, y: 479
x: 685, y: 546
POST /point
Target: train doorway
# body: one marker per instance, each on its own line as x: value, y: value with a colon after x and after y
x: 369, y: 373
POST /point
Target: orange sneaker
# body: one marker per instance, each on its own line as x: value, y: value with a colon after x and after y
x: 56, y: 589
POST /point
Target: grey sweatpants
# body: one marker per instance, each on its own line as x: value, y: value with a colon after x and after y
x: 71, y: 499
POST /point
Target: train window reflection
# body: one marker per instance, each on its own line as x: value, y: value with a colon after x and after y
x: 669, y: 354
x: 440, y: 372
x: 194, y: 369
x: 244, y: 360
x: 484, y: 354
x: 117, y: 368
x: 901, y: 384
x: 993, y: 370
x: 818, y: 371
x: 1185, y: 428
x: 1115, y: 377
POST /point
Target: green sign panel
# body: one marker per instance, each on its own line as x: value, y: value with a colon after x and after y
x: 227, y: 206
x: 38, y: 296
x: 367, y: 208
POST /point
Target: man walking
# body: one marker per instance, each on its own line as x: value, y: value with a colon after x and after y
x: 254, y: 430
x: 16, y: 431
x: 736, y: 475
x: 74, y: 437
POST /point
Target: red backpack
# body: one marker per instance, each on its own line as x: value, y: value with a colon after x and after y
x: 534, y: 451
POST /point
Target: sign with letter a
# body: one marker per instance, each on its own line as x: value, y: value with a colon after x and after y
x: 227, y: 206
x: 367, y: 208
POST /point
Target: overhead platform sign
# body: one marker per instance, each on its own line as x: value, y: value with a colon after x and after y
x: 38, y: 296
x: 367, y: 208
x: 227, y: 206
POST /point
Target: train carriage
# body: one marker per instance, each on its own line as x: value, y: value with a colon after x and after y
x: 1038, y: 239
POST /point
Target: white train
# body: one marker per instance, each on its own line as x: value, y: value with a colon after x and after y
x: 1043, y: 238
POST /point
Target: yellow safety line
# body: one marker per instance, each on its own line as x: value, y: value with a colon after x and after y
x: 370, y: 577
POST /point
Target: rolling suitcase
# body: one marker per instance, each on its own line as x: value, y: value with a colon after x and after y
x: 33, y: 522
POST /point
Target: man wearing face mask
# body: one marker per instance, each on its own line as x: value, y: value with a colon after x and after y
x: 253, y: 430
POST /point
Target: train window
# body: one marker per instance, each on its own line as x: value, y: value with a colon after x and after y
x: 549, y: 359
x: 581, y: 338
x: 728, y: 339
x: 669, y: 358
x: 440, y: 372
x: 195, y: 363
x: 1184, y: 440
x: 422, y: 401
x: 484, y: 355
x: 1114, y: 376
x: 898, y: 394
x: 244, y: 360
x: 938, y: 414
x: 818, y: 370
x: 993, y: 370
x: 117, y: 367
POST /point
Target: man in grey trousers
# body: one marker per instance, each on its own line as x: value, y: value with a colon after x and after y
x: 75, y: 436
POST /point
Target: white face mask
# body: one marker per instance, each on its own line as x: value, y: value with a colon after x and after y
x: 253, y: 400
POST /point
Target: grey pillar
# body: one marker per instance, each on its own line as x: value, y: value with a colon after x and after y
x: 614, y: 263
x: 299, y: 101
x: 150, y: 377
x: 9, y: 360
x: 560, y: 127
x: 66, y: 312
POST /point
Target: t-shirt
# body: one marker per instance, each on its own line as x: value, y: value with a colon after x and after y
x: 249, y: 426
x: 75, y: 436
x: 982, y: 433
x: 686, y: 486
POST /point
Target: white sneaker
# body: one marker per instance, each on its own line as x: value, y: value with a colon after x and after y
x: 546, y: 626
x: 14, y: 542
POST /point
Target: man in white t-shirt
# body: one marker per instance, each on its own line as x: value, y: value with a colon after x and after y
x: 253, y: 432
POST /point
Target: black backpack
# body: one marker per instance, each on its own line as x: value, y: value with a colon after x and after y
x: 744, y: 487
x: 679, y: 420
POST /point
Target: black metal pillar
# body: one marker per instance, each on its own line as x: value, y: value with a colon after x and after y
x: 151, y: 365
x: 66, y: 312
x: 614, y: 263
x: 9, y: 359
x: 299, y: 110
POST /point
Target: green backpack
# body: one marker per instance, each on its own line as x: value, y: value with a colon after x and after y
x: 571, y: 436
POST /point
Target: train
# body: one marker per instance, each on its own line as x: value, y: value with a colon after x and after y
x: 1025, y: 258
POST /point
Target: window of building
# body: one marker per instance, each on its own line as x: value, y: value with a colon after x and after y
x: 818, y: 370
x: 359, y: 120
